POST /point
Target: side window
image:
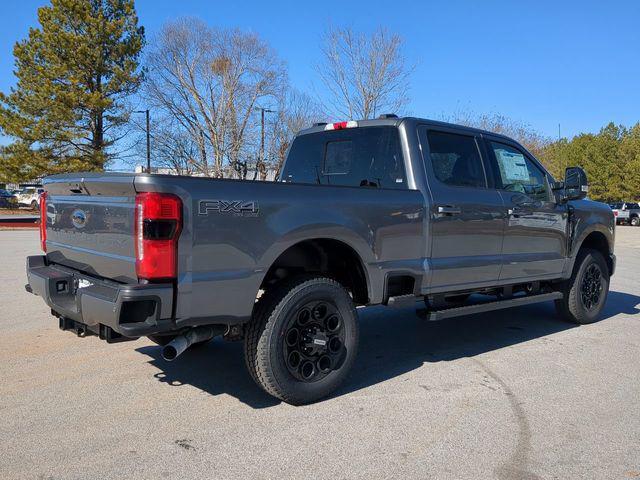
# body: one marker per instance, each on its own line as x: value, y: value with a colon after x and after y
x: 456, y: 159
x: 516, y: 173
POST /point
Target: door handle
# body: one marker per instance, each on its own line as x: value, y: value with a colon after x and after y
x: 449, y: 210
x: 523, y: 207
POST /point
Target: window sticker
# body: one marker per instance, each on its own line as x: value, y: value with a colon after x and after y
x: 513, y: 166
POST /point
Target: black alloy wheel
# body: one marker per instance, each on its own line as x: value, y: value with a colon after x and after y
x: 591, y: 287
x: 314, y: 341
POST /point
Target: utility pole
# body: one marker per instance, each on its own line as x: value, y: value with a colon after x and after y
x: 559, y: 132
x: 262, y: 112
x: 146, y: 112
x: 148, y: 142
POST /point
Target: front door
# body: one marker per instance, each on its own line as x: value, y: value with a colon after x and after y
x: 535, y: 238
x: 466, y: 217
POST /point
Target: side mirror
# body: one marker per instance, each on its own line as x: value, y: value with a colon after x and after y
x: 576, y: 186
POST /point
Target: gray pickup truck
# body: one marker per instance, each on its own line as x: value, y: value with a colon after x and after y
x: 625, y: 212
x: 391, y: 211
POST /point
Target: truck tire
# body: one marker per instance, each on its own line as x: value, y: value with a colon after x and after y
x: 34, y: 205
x: 585, y: 293
x: 302, y: 339
x: 634, y: 221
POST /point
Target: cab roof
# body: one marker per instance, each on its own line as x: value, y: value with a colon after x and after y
x: 394, y: 121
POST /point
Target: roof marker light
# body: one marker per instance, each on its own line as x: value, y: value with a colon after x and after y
x: 341, y: 125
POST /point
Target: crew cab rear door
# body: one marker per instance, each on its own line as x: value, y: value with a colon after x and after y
x: 466, y: 217
x: 535, y: 237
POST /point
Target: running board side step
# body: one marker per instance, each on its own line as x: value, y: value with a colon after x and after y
x: 403, y: 301
x: 489, y: 306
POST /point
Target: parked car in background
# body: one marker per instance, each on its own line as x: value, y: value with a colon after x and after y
x: 626, y: 213
x: 8, y: 199
x: 30, y: 197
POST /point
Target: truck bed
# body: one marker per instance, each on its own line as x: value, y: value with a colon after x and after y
x: 232, y: 233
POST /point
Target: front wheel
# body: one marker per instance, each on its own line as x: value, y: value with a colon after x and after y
x: 585, y: 293
x: 302, y: 340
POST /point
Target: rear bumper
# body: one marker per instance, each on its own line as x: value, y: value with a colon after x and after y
x: 129, y: 310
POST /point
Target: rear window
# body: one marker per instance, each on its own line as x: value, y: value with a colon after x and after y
x: 354, y: 157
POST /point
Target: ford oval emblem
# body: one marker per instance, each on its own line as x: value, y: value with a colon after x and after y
x: 79, y: 218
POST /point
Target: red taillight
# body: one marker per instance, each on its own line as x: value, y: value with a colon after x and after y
x: 43, y: 221
x: 158, y: 222
x: 615, y: 213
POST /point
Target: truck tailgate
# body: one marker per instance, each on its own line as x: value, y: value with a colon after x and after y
x: 90, y: 224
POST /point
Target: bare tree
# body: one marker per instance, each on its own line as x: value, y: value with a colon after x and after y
x: 174, y: 148
x: 495, y: 122
x: 365, y: 75
x: 208, y: 81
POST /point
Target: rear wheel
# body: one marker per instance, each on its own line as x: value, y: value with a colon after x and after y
x: 302, y: 341
x: 635, y: 221
x: 585, y: 293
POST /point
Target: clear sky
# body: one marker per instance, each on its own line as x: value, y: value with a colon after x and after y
x: 576, y: 63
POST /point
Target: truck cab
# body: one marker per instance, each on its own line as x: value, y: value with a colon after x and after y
x: 493, y: 214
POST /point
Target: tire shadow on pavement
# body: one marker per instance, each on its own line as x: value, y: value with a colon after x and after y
x: 392, y: 343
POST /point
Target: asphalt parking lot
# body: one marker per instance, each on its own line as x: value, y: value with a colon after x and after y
x: 515, y: 394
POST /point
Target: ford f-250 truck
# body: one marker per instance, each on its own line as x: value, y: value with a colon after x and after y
x: 388, y: 211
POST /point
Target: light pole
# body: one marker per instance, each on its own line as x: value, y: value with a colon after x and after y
x: 262, y: 112
x: 146, y: 112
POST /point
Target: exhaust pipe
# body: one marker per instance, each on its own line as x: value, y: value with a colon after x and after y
x: 178, y: 345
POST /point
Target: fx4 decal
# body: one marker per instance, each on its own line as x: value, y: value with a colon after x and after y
x: 238, y: 208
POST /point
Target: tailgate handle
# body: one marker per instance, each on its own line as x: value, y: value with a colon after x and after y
x: 449, y: 210
x: 78, y: 187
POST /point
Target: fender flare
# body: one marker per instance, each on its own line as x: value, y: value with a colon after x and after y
x: 337, y: 233
x: 577, y: 244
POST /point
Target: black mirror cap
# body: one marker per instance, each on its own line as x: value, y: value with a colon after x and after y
x: 576, y: 185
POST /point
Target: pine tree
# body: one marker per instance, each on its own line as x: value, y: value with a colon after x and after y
x: 74, y: 73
